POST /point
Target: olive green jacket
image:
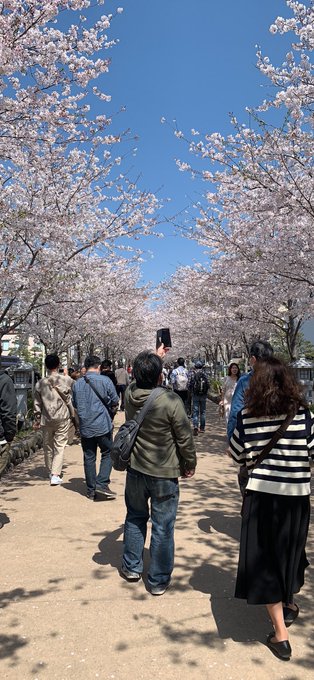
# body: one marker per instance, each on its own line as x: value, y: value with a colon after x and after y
x: 164, y: 446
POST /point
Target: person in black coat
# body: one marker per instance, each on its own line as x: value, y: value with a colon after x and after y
x: 105, y: 369
x: 8, y: 410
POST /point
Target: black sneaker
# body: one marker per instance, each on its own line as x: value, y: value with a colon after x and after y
x: 106, y: 491
x: 159, y: 590
x: 91, y: 496
x: 195, y: 431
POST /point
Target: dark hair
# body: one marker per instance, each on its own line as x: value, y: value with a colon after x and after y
x: 147, y: 368
x: 273, y: 389
x: 230, y: 367
x: 73, y: 369
x: 106, y: 363
x: 52, y: 361
x: 92, y: 361
x: 180, y: 361
x: 199, y: 364
x: 261, y: 350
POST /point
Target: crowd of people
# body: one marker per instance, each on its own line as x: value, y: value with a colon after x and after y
x: 270, y: 430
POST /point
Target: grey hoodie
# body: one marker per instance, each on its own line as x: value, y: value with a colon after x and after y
x: 165, y: 445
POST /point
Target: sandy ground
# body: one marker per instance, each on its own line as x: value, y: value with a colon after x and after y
x: 67, y: 614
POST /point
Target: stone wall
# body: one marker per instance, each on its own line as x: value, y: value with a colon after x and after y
x: 22, y: 448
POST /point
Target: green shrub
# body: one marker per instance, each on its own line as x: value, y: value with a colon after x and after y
x: 216, y: 385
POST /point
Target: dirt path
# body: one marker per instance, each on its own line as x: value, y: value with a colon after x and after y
x: 66, y: 613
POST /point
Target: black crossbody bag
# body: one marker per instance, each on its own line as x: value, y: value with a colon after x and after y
x: 125, y: 438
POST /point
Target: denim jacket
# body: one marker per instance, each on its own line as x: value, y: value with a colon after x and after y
x: 93, y: 415
x: 237, y: 402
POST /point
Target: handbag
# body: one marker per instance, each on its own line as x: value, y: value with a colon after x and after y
x: 263, y: 454
x: 125, y: 438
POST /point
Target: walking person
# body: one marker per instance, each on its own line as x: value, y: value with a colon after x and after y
x: 198, y: 385
x: 8, y: 412
x: 164, y: 450
x: 52, y: 412
x: 229, y: 385
x: 122, y: 378
x: 106, y: 370
x: 275, y: 520
x: 179, y: 380
x: 95, y: 400
x: 260, y: 351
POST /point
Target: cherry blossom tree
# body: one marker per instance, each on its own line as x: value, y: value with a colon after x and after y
x: 64, y: 195
x: 218, y: 314
x: 256, y: 215
x: 192, y: 305
x: 101, y: 311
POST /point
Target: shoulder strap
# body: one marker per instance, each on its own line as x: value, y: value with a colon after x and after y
x: 59, y: 393
x: 275, y: 438
x: 140, y: 415
x: 68, y: 404
x: 96, y: 392
x: 308, y: 423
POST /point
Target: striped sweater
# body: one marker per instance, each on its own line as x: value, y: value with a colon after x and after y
x: 286, y: 470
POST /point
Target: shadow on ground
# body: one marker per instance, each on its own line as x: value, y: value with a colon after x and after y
x: 210, y: 506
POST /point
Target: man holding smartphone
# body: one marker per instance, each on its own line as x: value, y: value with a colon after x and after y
x: 164, y: 450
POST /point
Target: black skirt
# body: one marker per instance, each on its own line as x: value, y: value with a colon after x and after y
x: 272, y: 556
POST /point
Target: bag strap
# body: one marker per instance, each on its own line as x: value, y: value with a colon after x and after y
x: 97, y: 394
x: 308, y: 423
x: 275, y: 438
x: 140, y: 415
x: 62, y: 397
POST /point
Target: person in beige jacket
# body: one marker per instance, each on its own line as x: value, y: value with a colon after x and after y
x: 52, y: 412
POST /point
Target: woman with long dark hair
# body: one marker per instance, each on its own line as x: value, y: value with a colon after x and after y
x: 229, y: 385
x: 275, y: 524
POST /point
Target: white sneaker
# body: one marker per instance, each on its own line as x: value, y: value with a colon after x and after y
x: 55, y: 480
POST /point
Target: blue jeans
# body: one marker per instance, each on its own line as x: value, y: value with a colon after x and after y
x: 164, y: 497
x: 89, y: 446
x: 199, y: 410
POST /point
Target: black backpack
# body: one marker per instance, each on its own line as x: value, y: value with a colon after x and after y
x: 125, y: 438
x: 200, y: 384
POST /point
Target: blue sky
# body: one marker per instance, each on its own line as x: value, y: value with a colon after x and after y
x: 193, y: 62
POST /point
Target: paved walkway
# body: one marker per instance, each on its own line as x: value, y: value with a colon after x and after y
x: 66, y: 613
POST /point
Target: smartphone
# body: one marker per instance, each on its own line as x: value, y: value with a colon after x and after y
x: 163, y: 338
x: 61, y: 370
